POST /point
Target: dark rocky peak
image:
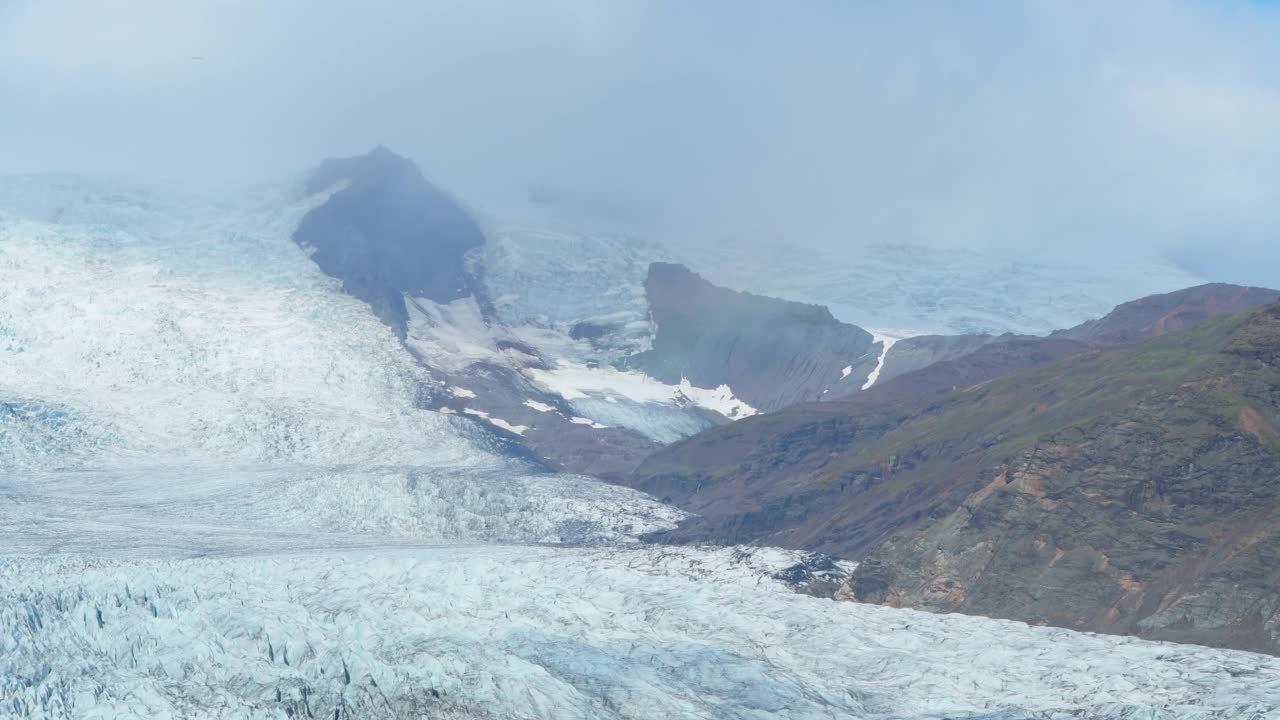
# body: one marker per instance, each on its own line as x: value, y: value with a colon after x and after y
x: 1156, y: 315
x: 389, y: 232
x: 379, y: 167
x: 770, y: 352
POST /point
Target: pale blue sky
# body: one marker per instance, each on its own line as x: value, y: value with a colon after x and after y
x: 1151, y: 124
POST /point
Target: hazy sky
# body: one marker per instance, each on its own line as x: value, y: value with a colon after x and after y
x: 1091, y: 125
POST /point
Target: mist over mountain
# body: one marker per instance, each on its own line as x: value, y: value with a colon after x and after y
x: 606, y: 360
x: 1143, y: 131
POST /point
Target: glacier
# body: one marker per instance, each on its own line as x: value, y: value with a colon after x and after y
x: 499, y: 631
x: 556, y: 275
x: 942, y: 290
x: 559, y: 269
x: 221, y: 496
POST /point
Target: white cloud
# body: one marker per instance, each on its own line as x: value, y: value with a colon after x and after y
x: 1215, y: 114
x: 1096, y: 124
x: 112, y: 44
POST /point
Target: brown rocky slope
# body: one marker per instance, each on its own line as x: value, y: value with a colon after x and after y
x: 1127, y: 490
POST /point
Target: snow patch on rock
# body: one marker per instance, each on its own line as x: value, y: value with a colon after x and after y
x: 575, y: 382
x: 886, y: 338
x: 497, y: 422
x: 540, y: 407
x: 450, y: 336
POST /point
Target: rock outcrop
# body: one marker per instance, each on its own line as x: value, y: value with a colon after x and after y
x: 387, y: 232
x: 772, y: 353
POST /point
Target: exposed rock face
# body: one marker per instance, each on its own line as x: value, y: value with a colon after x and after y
x: 772, y: 353
x: 389, y: 233
x: 1127, y: 490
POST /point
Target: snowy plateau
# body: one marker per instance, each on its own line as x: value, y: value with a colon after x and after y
x: 221, y: 497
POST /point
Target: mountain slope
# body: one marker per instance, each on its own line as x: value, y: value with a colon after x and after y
x: 1156, y: 315
x: 986, y: 359
x: 1159, y: 514
x: 981, y: 357
x: 1124, y: 490
x: 918, y: 352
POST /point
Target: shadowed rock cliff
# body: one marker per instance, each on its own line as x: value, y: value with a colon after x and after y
x: 388, y: 232
x: 772, y: 353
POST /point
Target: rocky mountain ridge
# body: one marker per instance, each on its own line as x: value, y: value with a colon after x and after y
x: 773, y: 353
x: 386, y: 232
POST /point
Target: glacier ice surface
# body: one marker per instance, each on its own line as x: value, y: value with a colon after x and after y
x: 520, y: 631
x: 551, y: 268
